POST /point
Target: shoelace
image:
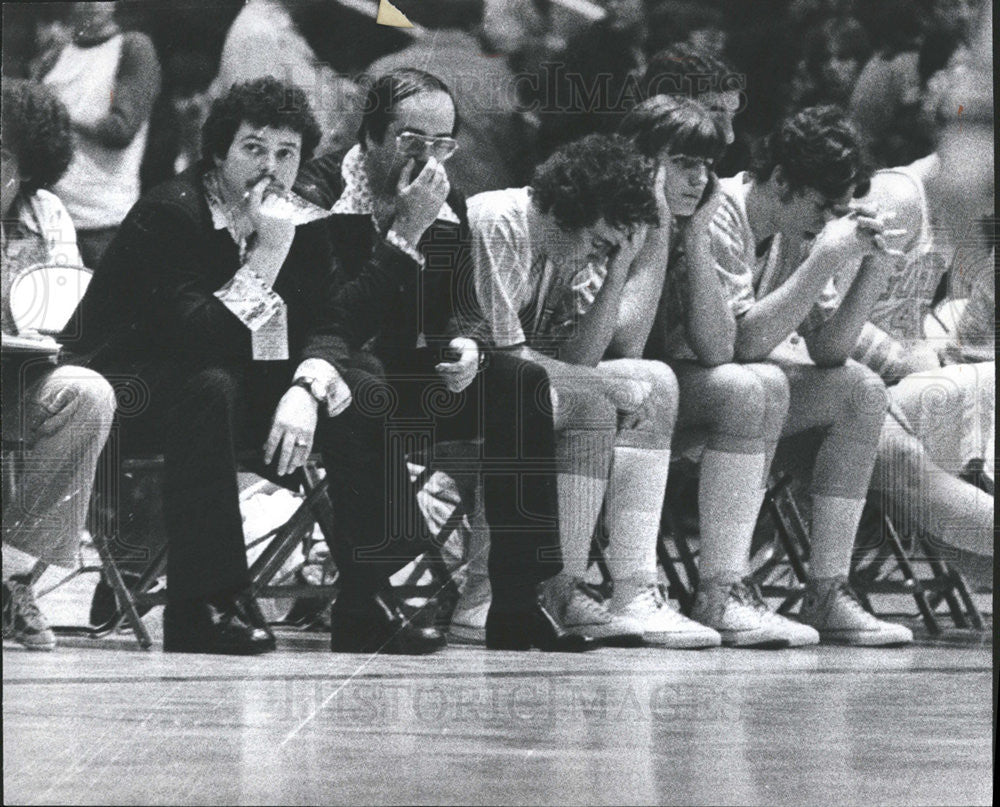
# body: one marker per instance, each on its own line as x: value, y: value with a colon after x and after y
x: 23, y: 601
x: 748, y: 593
x: 843, y: 589
x: 591, y: 606
x: 654, y: 594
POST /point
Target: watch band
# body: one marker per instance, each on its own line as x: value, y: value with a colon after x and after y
x: 309, y: 384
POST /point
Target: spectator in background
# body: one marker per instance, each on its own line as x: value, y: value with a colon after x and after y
x: 684, y: 71
x: 885, y: 103
x: 833, y: 53
x: 108, y: 79
x: 701, y: 27
x: 267, y: 39
x: 61, y: 415
x: 495, y: 143
x: 589, y: 86
x: 522, y: 31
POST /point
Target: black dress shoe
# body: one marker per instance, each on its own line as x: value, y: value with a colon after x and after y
x: 535, y: 628
x: 378, y: 626
x: 205, y: 627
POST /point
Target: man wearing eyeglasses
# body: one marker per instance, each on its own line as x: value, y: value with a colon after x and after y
x: 401, y: 236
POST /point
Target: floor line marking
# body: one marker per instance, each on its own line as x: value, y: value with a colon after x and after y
x: 396, y: 674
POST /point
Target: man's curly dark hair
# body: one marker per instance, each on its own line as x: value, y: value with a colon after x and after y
x: 817, y: 147
x: 35, y: 127
x: 596, y: 177
x: 263, y: 102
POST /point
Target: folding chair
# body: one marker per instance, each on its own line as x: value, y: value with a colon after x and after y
x: 891, y: 566
x: 456, y: 459
x: 280, y: 542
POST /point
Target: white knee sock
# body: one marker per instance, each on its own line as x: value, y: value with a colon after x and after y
x: 729, y: 499
x: 633, y: 509
x: 835, y: 523
x: 584, y: 457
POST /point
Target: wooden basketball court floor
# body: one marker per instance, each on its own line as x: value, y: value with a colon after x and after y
x: 102, y: 722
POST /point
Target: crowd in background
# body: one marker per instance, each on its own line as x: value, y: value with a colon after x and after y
x: 874, y: 58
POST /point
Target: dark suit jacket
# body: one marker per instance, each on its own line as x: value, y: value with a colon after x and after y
x: 387, y: 300
x: 152, y: 297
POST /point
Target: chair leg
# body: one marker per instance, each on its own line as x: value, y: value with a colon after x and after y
x: 970, y: 605
x: 919, y: 595
x: 957, y: 595
x: 790, y: 527
x: 126, y: 603
x: 281, y: 546
x: 684, y: 551
x: 321, y: 507
x: 37, y: 571
x: 681, y: 593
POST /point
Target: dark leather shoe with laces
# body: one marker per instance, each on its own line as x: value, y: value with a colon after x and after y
x: 378, y: 626
x: 535, y: 628
x: 212, y: 627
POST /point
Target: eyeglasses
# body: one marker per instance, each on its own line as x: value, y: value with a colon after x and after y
x: 414, y: 145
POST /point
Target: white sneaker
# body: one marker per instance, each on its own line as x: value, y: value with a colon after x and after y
x: 737, y: 611
x: 581, y: 614
x: 661, y: 625
x: 831, y: 606
x: 22, y: 620
x: 468, y: 621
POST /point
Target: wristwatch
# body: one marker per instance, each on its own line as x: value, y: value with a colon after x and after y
x: 313, y: 386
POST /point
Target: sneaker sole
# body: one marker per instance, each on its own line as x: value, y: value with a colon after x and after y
x: 604, y: 633
x: 612, y: 640
x: 855, y: 639
x: 35, y: 646
x: 467, y: 635
x: 682, y: 641
x: 759, y: 640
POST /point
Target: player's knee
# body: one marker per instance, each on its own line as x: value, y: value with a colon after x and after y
x: 743, y: 400
x: 662, y: 396
x: 582, y: 407
x: 866, y: 399
x: 776, y: 397
x: 96, y: 396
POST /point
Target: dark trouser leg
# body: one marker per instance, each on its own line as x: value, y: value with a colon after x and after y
x: 379, y: 528
x: 206, y: 554
x: 519, y: 480
x: 93, y: 244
